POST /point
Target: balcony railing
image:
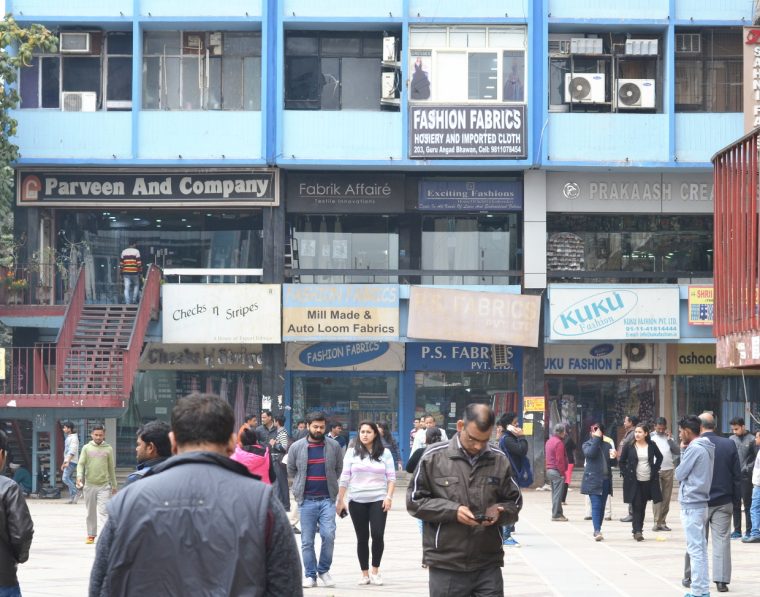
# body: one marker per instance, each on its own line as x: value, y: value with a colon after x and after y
x: 34, y: 284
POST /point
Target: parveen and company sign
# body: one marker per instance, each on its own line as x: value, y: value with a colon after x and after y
x: 148, y: 188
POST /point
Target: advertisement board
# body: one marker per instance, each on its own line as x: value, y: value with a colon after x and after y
x: 344, y: 356
x: 458, y: 356
x: 470, y: 195
x: 701, y: 305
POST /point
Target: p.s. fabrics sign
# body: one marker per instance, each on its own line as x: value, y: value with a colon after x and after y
x: 148, y: 188
x: 337, y: 193
x: 467, y: 132
x: 460, y: 356
x: 467, y: 195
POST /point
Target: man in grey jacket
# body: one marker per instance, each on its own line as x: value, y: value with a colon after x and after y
x: 315, y: 463
x: 197, y: 524
x: 745, y: 446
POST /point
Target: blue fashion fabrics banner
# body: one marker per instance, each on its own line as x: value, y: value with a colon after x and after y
x: 470, y: 195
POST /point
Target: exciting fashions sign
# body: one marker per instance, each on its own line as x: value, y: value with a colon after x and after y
x: 151, y: 188
x: 467, y: 132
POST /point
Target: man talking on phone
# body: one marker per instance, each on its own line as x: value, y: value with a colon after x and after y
x: 464, y: 491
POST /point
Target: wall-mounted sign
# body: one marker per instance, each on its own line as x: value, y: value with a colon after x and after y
x: 461, y: 315
x: 599, y: 359
x: 534, y: 404
x: 623, y: 313
x: 458, y: 356
x: 221, y: 313
x: 344, y: 356
x: 751, y: 60
x: 470, y: 195
x: 701, y: 305
x: 200, y: 357
x: 629, y: 193
x: 148, y: 187
x: 340, y: 312
x: 342, y: 193
x: 467, y: 132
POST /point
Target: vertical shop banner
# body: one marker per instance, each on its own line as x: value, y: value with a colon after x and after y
x: 467, y: 132
x: 625, y: 313
x: 340, y: 312
x: 701, y: 305
x: 468, y: 316
x: 221, y: 313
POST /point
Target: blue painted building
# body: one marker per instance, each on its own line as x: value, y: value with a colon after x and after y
x: 594, y: 134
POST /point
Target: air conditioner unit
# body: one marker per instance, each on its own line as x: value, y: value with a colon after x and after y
x: 641, y: 47
x: 585, y: 88
x: 79, y: 101
x: 635, y: 94
x: 388, y: 85
x: 389, y: 49
x: 559, y: 43
x: 215, y: 43
x: 75, y: 42
x: 638, y: 357
x: 586, y: 45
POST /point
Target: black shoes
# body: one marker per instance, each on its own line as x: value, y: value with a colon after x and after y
x: 722, y: 587
x: 686, y: 582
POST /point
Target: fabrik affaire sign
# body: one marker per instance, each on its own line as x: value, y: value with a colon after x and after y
x: 468, y: 316
x: 148, y: 188
x: 624, y: 313
x: 467, y: 132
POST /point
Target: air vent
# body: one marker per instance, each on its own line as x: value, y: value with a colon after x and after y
x: 688, y: 43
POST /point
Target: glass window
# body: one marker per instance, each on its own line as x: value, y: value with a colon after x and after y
x: 460, y: 37
x: 29, y: 84
x: 482, y: 71
x: 81, y: 74
x: 120, y: 79
x: 723, y: 395
x: 513, y: 64
x: 119, y: 43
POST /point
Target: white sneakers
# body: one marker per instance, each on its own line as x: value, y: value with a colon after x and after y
x: 308, y: 582
x: 326, y: 579
x: 376, y: 579
x: 363, y: 580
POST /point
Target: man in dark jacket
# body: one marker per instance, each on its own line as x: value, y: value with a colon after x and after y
x: 151, y: 448
x: 463, y: 490
x: 16, y: 528
x: 745, y: 446
x: 629, y: 427
x: 725, y: 489
x: 199, y: 523
x: 515, y: 446
x: 267, y: 431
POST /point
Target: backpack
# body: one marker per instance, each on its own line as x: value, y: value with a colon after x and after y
x: 256, y: 459
x: 522, y: 471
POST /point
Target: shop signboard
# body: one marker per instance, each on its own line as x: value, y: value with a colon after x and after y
x: 200, y: 357
x: 344, y: 356
x: 596, y: 359
x: 221, y: 313
x: 148, y: 187
x: 340, y: 312
x: 471, y: 316
x: 701, y: 305
x: 701, y: 359
x: 342, y: 193
x: 467, y: 132
x: 534, y: 404
x: 470, y: 195
x: 458, y: 356
x: 614, y: 313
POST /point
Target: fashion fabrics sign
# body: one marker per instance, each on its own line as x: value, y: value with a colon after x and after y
x: 148, y: 188
x: 221, y: 313
x: 624, y: 313
x: 345, y: 356
x: 467, y: 132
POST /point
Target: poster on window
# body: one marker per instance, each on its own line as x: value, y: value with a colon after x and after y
x: 467, y: 132
x: 422, y: 66
x: 513, y: 76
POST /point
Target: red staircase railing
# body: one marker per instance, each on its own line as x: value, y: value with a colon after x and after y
x: 71, y: 319
x: 149, y: 308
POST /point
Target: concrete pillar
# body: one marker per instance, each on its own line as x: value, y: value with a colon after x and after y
x: 534, y: 230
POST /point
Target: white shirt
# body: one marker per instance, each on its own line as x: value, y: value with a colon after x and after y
x: 419, y: 438
x: 663, y: 443
x: 643, y: 470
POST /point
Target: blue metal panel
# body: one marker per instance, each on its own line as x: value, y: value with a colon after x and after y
x: 722, y: 10
x: 538, y: 36
x: 604, y: 9
x: 482, y: 8
x: 199, y: 135
x: 56, y: 134
x: 699, y: 136
x: 201, y: 8
x: 611, y: 137
x: 269, y: 103
x: 346, y: 135
x: 341, y: 8
x: 73, y: 8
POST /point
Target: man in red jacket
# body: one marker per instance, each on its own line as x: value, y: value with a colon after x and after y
x: 556, y: 465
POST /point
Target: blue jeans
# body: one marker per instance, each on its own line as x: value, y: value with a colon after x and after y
x: 131, y: 289
x: 70, y: 470
x: 755, y: 511
x: 313, y: 512
x: 694, y: 521
x: 10, y: 591
x: 598, y: 503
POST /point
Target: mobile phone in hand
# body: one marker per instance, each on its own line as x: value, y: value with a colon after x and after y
x: 481, y: 518
x: 343, y: 513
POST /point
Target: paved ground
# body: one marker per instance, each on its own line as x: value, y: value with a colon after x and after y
x: 555, y: 558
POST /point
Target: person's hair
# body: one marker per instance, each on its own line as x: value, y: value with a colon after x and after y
x: 559, y: 428
x: 280, y: 420
x: 156, y: 433
x: 335, y: 424
x: 633, y: 419
x: 249, y: 416
x: 266, y: 412
x: 690, y: 422
x: 481, y: 415
x: 99, y: 427
x: 661, y: 421
x: 737, y: 421
x: 432, y: 435
x: 202, y: 418
x: 708, y: 421
x: 3, y: 441
x: 601, y: 427
x: 248, y: 437
x: 377, y: 444
x: 316, y: 416
x: 68, y: 424
x: 299, y: 421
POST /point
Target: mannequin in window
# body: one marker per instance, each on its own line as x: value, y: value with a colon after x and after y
x: 420, y: 82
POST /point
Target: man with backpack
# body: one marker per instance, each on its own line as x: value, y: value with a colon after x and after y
x: 514, y: 444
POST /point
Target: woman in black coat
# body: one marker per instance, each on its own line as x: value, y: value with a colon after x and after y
x: 597, y: 475
x: 640, y: 463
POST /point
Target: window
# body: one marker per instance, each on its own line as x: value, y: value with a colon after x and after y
x: 103, y: 73
x: 204, y: 70
x: 467, y: 64
x: 709, y: 70
x: 333, y: 71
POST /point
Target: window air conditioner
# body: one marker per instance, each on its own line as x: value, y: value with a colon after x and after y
x: 79, y: 101
x: 635, y: 94
x: 389, y: 49
x: 75, y: 42
x: 638, y: 357
x: 388, y: 85
x: 584, y: 88
x: 641, y: 47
